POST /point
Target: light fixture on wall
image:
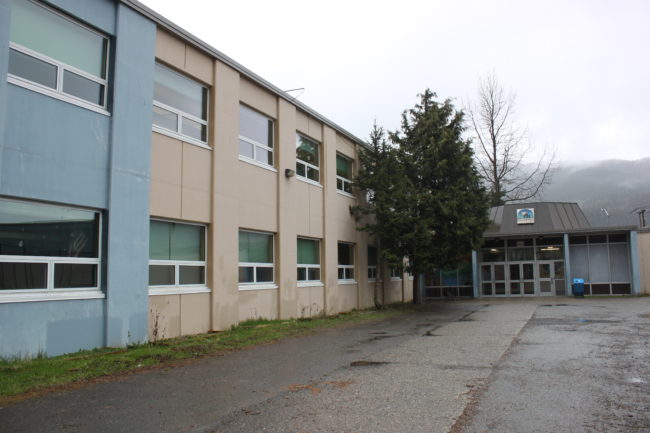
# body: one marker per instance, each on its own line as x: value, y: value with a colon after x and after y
x: 289, y: 172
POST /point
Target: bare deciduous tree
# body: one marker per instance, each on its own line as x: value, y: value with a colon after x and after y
x: 512, y: 168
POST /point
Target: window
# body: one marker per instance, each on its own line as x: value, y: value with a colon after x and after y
x: 308, y: 260
x: 343, y: 174
x: 176, y: 254
x: 180, y: 106
x: 372, y: 263
x: 307, y: 165
x: 255, y: 136
x: 47, y: 248
x: 255, y: 257
x: 396, y: 273
x: 345, y: 261
x: 52, y: 54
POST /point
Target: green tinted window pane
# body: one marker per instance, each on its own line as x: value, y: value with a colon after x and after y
x: 308, y: 253
x: 165, y: 119
x: 32, y: 69
x: 161, y: 275
x: 312, y: 174
x: 343, y: 167
x: 31, y: 229
x: 73, y: 275
x: 246, y: 275
x: 160, y: 235
x: 255, y: 247
x: 255, y: 126
x: 187, y: 242
x: 194, y: 129
x: 306, y: 150
x: 21, y: 276
x: 191, y: 275
x: 180, y: 92
x: 48, y: 33
x: 82, y: 87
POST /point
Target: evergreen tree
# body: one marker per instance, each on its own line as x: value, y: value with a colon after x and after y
x: 426, y: 200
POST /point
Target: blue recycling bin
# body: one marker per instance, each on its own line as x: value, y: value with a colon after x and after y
x: 578, y: 287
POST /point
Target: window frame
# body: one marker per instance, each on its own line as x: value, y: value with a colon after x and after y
x: 307, y: 267
x: 50, y: 292
x: 177, y: 287
x: 62, y: 67
x: 180, y: 114
x: 348, y: 269
x: 257, y: 144
x: 344, y: 181
x: 256, y: 285
x: 307, y: 164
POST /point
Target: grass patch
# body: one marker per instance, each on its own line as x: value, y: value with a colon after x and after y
x: 21, y: 379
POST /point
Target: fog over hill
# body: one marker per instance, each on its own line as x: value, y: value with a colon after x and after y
x: 616, y: 185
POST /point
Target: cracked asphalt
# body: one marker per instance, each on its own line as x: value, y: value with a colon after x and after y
x: 497, y: 365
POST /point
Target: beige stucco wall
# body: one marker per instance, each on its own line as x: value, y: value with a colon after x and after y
x: 214, y: 186
x: 643, y: 240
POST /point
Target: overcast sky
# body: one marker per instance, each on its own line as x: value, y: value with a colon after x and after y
x: 580, y: 69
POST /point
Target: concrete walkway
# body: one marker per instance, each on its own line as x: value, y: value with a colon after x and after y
x: 413, y: 373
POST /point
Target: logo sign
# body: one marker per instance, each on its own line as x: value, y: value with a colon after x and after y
x: 526, y: 216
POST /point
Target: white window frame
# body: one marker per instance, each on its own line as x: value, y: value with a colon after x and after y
x: 344, y: 180
x: 347, y: 268
x: 176, y: 287
x: 61, y: 67
x: 50, y: 293
x: 181, y: 114
x: 255, y: 285
x: 307, y: 267
x: 257, y: 144
x: 306, y: 164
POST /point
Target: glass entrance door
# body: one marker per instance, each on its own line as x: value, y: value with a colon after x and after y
x: 522, y: 279
x: 550, y: 278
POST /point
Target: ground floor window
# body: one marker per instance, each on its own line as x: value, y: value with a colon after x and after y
x: 255, y: 257
x: 345, y: 261
x: 603, y: 261
x: 176, y: 254
x: 308, y: 260
x: 47, y: 248
x: 372, y: 263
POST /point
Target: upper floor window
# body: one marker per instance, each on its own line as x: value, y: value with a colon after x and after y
x: 308, y: 161
x: 255, y: 136
x: 255, y: 257
x: 308, y: 260
x: 176, y: 254
x: 343, y: 174
x: 180, y: 106
x: 372, y: 263
x: 46, y: 248
x: 345, y: 261
x: 396, y: 273
x: 55, y: 55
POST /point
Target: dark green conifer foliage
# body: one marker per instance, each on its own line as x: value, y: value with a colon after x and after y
x: 426, y: 199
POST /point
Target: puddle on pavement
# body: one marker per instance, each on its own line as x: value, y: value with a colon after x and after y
x: 365, y: 363
x: 636, y: 380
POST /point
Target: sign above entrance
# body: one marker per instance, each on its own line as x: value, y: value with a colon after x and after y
x: 526, y: 216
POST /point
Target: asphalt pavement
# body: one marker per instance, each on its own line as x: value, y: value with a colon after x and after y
x: 520, y: 365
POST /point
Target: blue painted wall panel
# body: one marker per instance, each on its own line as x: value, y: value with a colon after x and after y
x: 52, y: 328
x: 128, y: 216
x: 54, y: 150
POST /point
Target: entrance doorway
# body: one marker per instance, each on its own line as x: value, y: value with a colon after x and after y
x: 522, y: 279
